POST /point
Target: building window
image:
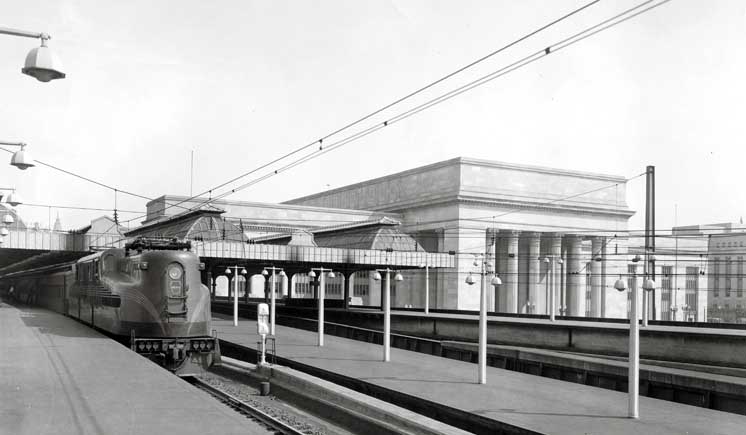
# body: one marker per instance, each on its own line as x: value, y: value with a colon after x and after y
x: 739, y: 278
x: 360, y: 287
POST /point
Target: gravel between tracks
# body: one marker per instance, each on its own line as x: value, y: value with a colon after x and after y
x: 269, y: 404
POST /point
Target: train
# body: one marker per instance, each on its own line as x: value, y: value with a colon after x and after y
x: 148, y: 295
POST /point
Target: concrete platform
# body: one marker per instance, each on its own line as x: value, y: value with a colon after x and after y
x: 59, y: 377
x: 513, y: 401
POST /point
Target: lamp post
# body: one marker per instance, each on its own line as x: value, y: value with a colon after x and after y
x: 485, y: 269
x: 321, y: 295
x: 243, y: 272
x: 387, y: 309
x: 41, y: 63
x: 272, y: 297
x: 427, y: 267
x: 21, y: 159
x: 634, y: 340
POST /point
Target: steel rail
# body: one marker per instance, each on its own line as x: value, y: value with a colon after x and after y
x: 243, y: 407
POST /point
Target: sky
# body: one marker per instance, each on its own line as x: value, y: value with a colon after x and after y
x: 240, y: 83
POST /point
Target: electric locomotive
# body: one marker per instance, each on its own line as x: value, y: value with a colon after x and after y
x: 148, y: 293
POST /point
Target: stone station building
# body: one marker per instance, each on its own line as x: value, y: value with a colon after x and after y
x: 521, y: 219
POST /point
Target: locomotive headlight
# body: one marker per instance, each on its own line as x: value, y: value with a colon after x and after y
x: 174, y: 271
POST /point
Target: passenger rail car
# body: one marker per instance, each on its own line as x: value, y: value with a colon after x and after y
x: 149, y: 293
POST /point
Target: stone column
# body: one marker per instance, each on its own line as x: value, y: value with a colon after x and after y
x: 575, y: 290
x: 489, y: 250
x: 501, y: 264
x: 597, y: 278
x: 511, y: 278
x: 535, y: 293
x: 555, y: 252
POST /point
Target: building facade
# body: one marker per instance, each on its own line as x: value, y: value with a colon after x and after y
x: 725, y: 286
x: 539, y: 228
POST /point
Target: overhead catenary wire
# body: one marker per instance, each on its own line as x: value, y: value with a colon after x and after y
x: 320, y: 141
x: 566, y: 42
x: 552, y: 48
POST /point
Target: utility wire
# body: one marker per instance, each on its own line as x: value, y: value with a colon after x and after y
x: 564, y: 43
x: 321, y: 140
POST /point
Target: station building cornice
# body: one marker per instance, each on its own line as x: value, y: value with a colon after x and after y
x: 460, y: 162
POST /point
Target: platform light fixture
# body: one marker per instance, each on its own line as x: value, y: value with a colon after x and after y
x: 321, y: 296
x: 485, y: 269
x: 387, y: 309
x: 271, y: 271
x: 13, y: 199
x: 21, y: 159
x: 228, y: 271
x: 41, y: 62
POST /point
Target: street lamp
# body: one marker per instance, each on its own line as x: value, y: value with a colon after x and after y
x: 486, y: 268
x: 427, y: 267
x: 21, y: 159
x: 387, y: 309
x: 41, y: 63
x: 321, y: 296
x: 228, y: 271
x: 266, y: 272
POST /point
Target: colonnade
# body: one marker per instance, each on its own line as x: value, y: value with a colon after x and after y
x: 531, y: 264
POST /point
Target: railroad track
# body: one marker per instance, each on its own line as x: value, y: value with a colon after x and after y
x: 275, y: 425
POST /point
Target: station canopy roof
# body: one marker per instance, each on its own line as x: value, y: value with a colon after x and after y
x: 199, y: 225
x: 208, y: 225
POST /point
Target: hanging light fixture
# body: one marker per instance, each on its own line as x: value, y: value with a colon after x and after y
x: 22, y: 159
x: 228, y: 271
x: 42, y: 64
x: 244, y: 271
x: 12, y: 199
x: 496, y: 281
x: 470, y: 279
x: 331, y: 275
x: 312, y: 274
x: 620, y: 285
x: 4, y: 231
x: 398, y: 277
x: 377, y: 276
x: 8, y: 219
